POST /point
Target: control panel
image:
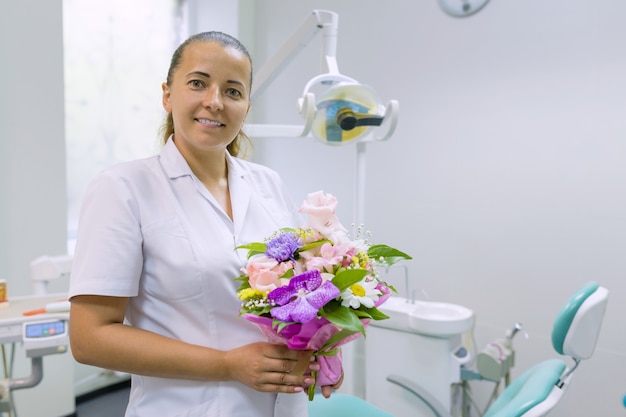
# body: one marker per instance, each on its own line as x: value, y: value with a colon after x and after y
x: 45, y: 337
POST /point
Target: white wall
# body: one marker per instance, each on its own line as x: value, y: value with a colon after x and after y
x: 32, y: 141
x: 504, y: 180
x: 506, y: 176
x: 32, y: 174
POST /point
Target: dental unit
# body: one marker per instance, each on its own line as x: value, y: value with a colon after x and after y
x: 38, y: 324
x: 429, y: 357
x: 535, y: 393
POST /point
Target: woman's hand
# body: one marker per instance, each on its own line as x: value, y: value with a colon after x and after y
x: 327, y: 390
x: 332, y: 370
x: 269, y: 367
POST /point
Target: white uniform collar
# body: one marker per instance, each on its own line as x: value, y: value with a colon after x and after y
x: 176, y: 166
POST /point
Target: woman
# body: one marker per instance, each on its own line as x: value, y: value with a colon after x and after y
x: 152, y: 286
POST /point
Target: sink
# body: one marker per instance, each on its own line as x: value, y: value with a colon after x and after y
x: 428, y: 318
x: 440, y: 319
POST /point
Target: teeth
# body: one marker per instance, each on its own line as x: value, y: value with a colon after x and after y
x: 209, y: 122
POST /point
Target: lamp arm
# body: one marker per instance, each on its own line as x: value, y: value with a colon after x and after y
x: 47, y: 268
x: 319, y: 20
x: 306, y: 106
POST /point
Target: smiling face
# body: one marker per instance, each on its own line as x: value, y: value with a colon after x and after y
x: 208, y: 97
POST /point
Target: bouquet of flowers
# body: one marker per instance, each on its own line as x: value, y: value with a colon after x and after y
x: 314, y: 288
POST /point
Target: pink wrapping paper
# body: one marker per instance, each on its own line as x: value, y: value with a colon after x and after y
x: 310, y: 336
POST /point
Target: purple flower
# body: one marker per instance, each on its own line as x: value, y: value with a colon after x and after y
x: 282, y: 247
x: 300, y: 300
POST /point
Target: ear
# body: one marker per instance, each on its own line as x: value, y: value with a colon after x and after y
x: 167, y: 105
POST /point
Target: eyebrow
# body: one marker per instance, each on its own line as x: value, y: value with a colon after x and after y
x: 204, y: 74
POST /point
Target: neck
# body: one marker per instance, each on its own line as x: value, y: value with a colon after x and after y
x: 214, y: 176
x: 211, y: 168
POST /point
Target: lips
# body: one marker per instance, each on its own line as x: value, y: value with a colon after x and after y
x: 210, y: 122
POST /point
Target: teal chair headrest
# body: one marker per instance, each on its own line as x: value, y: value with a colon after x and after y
x: 578, y: 324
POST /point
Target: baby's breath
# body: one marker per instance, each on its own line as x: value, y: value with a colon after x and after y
x: 361, y: 233
x: 257, y: 304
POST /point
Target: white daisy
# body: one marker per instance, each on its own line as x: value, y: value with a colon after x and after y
x: 363, y: 292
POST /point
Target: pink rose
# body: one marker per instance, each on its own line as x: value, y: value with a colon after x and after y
x: 320, y: 208
x: 264, y: 272
x: 328, y: 257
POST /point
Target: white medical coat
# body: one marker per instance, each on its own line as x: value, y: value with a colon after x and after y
x: 149, y: 230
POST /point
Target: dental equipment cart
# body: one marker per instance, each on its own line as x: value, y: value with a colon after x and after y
x: 23, y: 389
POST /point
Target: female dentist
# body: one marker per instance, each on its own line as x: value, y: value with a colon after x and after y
x: 152, y: 288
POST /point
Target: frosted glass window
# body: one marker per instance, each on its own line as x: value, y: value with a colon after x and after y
x: 116, y: 56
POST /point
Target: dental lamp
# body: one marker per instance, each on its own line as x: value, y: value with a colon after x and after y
x: 462, y: 8
x: 347, y: 107
x: 336, y: 110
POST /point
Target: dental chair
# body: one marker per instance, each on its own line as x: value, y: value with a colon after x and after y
x: 532, y: 394
x: 575, y: 334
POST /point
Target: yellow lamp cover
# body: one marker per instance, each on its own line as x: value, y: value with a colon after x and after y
x: 354, y: 97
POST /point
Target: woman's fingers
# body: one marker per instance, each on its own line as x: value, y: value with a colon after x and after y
x: 271, y: 367
x: 283, y: 382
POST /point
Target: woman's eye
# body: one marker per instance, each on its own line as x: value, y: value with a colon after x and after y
x: 196, y: 83
x: 233, y: 92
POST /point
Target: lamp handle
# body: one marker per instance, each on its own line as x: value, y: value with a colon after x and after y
x: 308, y: 110
x: 391, y: 114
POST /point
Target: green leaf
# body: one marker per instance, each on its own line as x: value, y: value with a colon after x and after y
x: 342, y: 317
x: 288, y: 274
x: 245, y: 283
x: 313, y: 245
x: 254, y: 248
x: 336, y: 338
x: 279, y: 325
x: 389, y: 254
x: 242, y: 277
x: 370, y: 313
x: 376, y: 314
x: 258, y: 311
x: 347, y: 277
x: 362, y: 314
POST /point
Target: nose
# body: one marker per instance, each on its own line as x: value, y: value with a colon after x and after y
x: 213, y: 98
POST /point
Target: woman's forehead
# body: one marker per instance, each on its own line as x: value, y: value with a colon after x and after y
x: 210, y: 54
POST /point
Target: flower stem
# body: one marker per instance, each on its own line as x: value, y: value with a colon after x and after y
x: 312, y: 387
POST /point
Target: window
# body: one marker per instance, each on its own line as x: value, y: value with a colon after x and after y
x: 116, y: 55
